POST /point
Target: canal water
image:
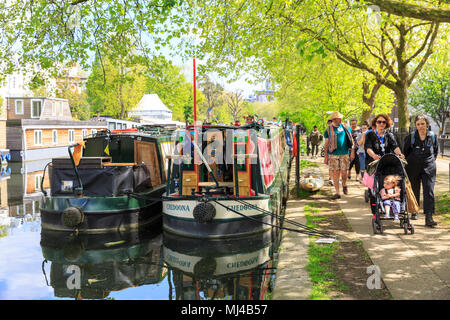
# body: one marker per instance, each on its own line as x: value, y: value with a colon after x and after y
x: 140, y: 265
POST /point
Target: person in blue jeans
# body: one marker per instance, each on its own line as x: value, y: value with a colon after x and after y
x: 360, y: 139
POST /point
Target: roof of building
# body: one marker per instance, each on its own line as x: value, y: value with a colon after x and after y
x: 151, y: 102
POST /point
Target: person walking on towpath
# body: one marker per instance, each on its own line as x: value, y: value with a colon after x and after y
x: 360, y: 139
x: 339, y: 151
x: 378, y: 142
x: 315, y: 138
x: 355, y: 162
x: 421, y: 150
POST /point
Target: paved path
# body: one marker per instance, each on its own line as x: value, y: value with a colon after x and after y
x: 412, y: 266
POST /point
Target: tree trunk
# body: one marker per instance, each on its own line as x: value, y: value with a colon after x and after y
x: 369, y: 99
x: 401, y: 93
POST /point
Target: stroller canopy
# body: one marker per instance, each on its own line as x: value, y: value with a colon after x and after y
x: 390, y: 164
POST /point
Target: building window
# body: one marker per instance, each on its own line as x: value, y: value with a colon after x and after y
x: 93, y: 131
x: 37, y: 181
x: 85, y: 133
x: 36, y: 108
x: 37, y: 137
x: 19, y: 106
x: 71, y: 136
x: 55, y: 136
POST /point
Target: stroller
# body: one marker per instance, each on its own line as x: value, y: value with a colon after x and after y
x: 388, y: 164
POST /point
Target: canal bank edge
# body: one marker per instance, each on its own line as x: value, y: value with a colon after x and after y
x: 292, y: 279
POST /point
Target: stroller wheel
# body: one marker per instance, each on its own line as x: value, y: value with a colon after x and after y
x: 374, y: 226
x: 405, y: 228
x: 366, y: 195
x: 412, y: 229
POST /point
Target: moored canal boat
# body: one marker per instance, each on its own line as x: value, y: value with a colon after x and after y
x: 115, y: 185
x: 230, y: 181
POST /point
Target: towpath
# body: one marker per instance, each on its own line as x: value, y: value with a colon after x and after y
x: 412, y: 266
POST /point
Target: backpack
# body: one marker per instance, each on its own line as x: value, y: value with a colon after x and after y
x: 433, y: 137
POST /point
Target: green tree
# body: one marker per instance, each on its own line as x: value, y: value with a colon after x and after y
x: 169, y: 83
x: 430, y: 93
x: 114, y: 89
x: 213, y: 93
x: 48, y: 32
x: 393, y: 52
x: 78, y: 102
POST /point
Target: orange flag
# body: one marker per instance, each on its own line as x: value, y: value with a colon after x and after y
x: 77, y: 152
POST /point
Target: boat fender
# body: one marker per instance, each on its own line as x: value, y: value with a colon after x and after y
x: 205, y: 268
x: 204, y: 212
x: 73, y: 250
x: 72, y: 217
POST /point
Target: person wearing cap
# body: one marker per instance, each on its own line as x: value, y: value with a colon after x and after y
x: 339, y: 151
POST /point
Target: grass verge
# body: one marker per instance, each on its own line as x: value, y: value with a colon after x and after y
x: 442, y: 211
x: 321, y: 257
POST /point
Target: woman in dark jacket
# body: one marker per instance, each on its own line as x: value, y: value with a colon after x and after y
x: 378, y: 142
x: 421, y: 150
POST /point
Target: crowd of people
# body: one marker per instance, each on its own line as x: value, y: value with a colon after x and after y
x: 357, y: 146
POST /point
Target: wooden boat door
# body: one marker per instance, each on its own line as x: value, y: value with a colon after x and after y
x: 146, y: 152
x: 241, y: 167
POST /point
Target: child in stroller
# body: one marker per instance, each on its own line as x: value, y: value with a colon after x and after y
x: 390, y: 195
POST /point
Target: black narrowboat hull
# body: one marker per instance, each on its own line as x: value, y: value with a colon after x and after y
x: 101, y: 214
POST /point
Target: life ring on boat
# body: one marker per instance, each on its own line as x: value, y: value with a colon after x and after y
x: 72, y: 217
x: 204, y: 212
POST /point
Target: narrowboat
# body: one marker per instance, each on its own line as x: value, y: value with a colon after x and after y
x: 116, y: 184
x: 93, y: 266
x: 238, y: 268
x: 226, y: 181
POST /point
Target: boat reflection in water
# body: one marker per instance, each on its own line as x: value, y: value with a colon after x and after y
x: 232, y: 269
x: 91, y: 266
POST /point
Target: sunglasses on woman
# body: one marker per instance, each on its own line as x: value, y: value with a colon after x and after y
x: 381, y: 121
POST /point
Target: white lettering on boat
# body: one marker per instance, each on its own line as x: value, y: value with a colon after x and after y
x: 178, y: 207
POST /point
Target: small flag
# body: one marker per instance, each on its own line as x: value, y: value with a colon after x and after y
x: 107, y: 150
x: 77, y: 152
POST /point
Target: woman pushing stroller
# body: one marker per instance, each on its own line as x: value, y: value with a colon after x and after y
x: 379, y: 142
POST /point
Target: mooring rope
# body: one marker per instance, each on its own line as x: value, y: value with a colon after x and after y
x: 308, y: 230
x: 284, y: 219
